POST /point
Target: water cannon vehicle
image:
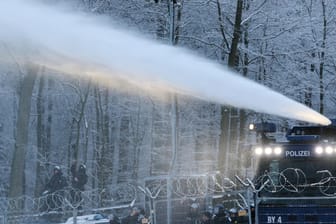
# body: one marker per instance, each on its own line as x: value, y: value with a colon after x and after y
x: 295, y: 179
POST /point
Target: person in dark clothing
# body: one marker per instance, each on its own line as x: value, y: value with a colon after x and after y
x: 142, y: 217
x: 57, y: 181
x: 113, y: 219
x: 233, y: 216
x: 252, y: 213
x: 133, y: 217
x: 54, y: 189
x: 194, y: 214
x: 220, y: 215
x: 79, y: 177
x: 78, y: 180
x: 206, y: 218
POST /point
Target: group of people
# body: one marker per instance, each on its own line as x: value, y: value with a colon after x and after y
x: 218, y: 215
x: 223, y: 216
x: 57, y: 183
x: 136, y: 216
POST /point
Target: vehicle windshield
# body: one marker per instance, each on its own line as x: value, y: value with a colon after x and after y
x: 313, y: 177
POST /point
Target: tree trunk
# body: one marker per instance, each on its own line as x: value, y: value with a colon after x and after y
x: 224, y: 139
x: 49, y: 118
x: 102, y: 140
x: 116, y: 146
x: 229, y: 121
x: 40, y: 138
x: 225, y: 43
x: 82, y: 105
x: 161, y: 21
x: 17, y: 176
x: 242, y: 113
x: 178, y: 27
x: 233, y: 56
x: 322, y: 56
x: 76, y: 127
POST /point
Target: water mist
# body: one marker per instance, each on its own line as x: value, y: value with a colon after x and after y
x: 75, y: 43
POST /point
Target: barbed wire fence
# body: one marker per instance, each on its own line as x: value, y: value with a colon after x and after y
x: 155, y: 190
x: 58, y: 205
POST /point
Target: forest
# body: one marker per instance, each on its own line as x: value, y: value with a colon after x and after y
x: 126, y: 135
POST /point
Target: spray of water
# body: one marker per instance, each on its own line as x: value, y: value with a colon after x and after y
x: 80, y: 44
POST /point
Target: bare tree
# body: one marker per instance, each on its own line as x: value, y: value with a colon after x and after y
x: 17, y: 177
x: 78, y: 123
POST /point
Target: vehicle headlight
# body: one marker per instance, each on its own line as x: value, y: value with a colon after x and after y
x: 268, y: 150
x: 325, y: 149
x: 251, y: 127
x: 319, y: 150
x: 329, y: 149
x: 258, y: 151
x: 277, y: 150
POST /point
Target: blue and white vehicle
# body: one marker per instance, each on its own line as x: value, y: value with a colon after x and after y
x: 89, y: 219
x: 295, y: 180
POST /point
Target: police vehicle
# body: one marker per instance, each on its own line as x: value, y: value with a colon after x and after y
x: 295, y: 179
